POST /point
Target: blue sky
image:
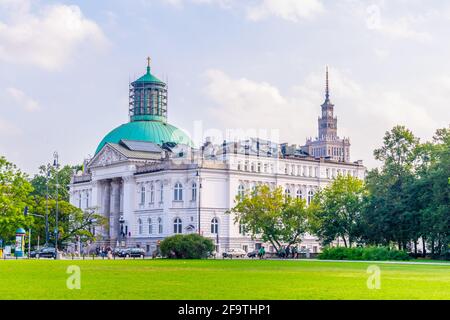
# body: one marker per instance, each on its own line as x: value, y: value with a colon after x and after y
x: 65, y: 68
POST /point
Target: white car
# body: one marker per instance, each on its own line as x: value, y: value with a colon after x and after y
x: 234, y: 253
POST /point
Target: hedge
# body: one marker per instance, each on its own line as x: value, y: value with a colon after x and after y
x: 360, y: 253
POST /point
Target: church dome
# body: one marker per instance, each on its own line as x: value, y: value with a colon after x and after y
x: 149, y: 131
x: 148, y: 115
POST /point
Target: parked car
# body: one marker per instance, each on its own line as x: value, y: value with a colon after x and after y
x: 252, y: 254
x: 234, y: 253
x: 117, y: 251
x: 46, y: 252
x: 131, y: 252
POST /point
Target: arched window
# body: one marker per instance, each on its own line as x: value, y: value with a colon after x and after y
x: 140, y: 226
x: 161, y: 192
x: 160, y: 226
x: 214, y: 226
x: 287, y: 193
x: 310, y: 196
x: 299, y: 194
x: 241, y: 191
x: 178, y: 192
x: 150, y: 226
x: 194, y: 192
x: 142, y: 194
x: 152, y: 193
x: 177, y: 226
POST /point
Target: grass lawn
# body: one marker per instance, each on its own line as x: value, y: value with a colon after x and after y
x: 220, y: 279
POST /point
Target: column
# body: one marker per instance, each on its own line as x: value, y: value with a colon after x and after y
x: 129, y: 202
x: 115, y: 211
x: 106, y: 205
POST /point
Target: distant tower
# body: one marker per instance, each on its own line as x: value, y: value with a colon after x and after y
x: 328, y: 144
x: 327, y: 122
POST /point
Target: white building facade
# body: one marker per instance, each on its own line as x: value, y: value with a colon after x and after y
x: 153, y: 185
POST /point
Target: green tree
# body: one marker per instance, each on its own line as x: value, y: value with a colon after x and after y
x: 433, y: 192
x: 392, y: 213
x: 48, y: 174
x: 14, y: 197
x: 336, y: 210
x: 271, y: 216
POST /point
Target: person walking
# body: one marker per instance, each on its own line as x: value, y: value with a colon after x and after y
x: 287, y: 252
x: 294, y: 252
x: 261, y: 252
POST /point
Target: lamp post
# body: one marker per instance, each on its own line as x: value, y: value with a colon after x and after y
x: 121, y: 233
x: 56, y: 166
x: 46, y: 205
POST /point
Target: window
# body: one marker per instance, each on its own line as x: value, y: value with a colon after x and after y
x: 194, y: 191
x: 310, y: 196
x: 299, y: 194
x: 150, y: 226
x: 87, y: 199
x: 242, y: 229
x: 177, y: 225
x: 178, y: 192
x: 241, y: 191
x: 161, y: 191
x: 152, y: 193
x: 259, y: 166
x: 214, y: 226
x: 140, y: 226
x: 239, y: 166
x: 287, y: 193
x: 79, y: 201
x: 160, y: 226
x: 142, y: 194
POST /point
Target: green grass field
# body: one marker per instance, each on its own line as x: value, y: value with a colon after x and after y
x: 220, y: 279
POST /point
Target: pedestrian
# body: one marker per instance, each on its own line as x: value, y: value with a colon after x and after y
x: 261, y: 252
x: 287, y: 252
x: 294, y: 252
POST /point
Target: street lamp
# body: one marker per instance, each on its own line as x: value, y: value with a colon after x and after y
x: 56, y: 166
x: 46, y: 205
x: 121, y: 233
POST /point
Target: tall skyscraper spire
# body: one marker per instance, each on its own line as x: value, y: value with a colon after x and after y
x: 327, y: 87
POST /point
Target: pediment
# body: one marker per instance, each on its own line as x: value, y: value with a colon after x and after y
x: 106, y: 157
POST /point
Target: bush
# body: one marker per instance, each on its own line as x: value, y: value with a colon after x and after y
x: 359, y: 253
x: 191, y: 246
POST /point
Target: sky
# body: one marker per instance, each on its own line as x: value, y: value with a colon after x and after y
x: 256, y: 65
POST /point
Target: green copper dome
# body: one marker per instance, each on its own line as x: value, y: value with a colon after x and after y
x: 149, y: 131
x: 148, y: 78
x: 148, y: 115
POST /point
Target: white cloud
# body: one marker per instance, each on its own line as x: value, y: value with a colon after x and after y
x: 46, y: 37
x: 181, y: 3
x: 364, y: 113
x: 292, y: 10
x: 21, y: 99
x: 401, y: 27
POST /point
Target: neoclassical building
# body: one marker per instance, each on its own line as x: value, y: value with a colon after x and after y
x: 150, y: 181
